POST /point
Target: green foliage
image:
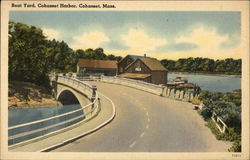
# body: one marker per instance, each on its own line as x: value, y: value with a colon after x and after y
x: 27, y: 54
x: 230, y: 135
x: 225, y: 105
x: 207, y: 112
x: 97, y: 53
x: 204, y: 65
x: 236, y: 146
x: 228, y: 107
x: 61, y: 58
x: 234, y: 97
x: 32, y: 56
x: 210, y: 124
x: 213, y: 96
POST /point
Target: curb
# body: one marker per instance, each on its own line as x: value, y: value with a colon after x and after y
x: 85, y: 133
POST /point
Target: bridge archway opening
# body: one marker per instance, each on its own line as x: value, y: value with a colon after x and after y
x: 66, y: 97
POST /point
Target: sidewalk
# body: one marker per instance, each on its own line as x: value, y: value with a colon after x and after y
x: 106, y: 114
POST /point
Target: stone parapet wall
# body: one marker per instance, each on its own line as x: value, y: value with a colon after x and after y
x: 178, y: 94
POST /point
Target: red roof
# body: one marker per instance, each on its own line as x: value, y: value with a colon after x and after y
x: 93, y: 63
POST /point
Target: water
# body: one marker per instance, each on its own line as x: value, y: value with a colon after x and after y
x: 211, y: 83
x: 25, y: 115
x: 20, y: 116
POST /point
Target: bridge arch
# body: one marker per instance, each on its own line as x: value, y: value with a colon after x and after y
x: 67, y: 95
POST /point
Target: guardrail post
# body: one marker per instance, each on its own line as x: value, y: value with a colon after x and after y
x: 94, y: 91
x: 93, y: 95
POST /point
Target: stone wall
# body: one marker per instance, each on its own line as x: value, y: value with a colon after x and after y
x: 178, y: 94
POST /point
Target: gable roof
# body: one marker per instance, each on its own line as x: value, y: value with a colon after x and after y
x: 94, y: 63
x: 153, y: 64
x: 134, y: 57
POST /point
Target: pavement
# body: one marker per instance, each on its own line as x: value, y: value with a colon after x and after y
x: 105, y: 116
x: 148, y: 123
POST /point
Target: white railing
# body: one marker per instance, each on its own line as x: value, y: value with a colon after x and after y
x: 89, y: 110
x: 79, y: 85
x: 89, y: 78
x: 149, y: 87
x: 219, y: 123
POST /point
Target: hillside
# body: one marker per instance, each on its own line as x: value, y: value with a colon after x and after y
x: 25, y: 94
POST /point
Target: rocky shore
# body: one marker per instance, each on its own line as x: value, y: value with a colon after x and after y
x: 29, y: 95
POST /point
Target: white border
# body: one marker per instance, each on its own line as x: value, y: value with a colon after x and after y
x: 241, y: 6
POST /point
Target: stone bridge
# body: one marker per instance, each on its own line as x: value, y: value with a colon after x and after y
x: 72, y: 91
x: 68, y: 91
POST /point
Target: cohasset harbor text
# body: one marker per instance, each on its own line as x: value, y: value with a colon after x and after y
x: 61, y: 5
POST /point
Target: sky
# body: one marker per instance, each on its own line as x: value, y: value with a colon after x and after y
x: 159, y: 34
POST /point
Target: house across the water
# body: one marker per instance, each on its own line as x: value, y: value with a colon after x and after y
x: 142, y: 68
x: 93, y: 66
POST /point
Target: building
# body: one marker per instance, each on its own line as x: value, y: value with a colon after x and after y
x: 142, y: 68
x: 125, y: 62
x: 93, y: 66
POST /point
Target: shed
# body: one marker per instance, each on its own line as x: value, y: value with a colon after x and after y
x: 143, y: 68
x: 93, y: 66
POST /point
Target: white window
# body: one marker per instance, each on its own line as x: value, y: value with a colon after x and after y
x: 138, y: 66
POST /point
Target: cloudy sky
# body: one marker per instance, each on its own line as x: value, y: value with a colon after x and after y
x: 159, y: 34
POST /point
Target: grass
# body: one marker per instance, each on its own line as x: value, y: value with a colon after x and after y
x: 229, y: 135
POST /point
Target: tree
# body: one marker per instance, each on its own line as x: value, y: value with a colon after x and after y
x: 208, y: 65
x: 99, y: 54
x: 27, y: 54
x: 89, y: 53
x: 169, y: 64
x: 204, y: 65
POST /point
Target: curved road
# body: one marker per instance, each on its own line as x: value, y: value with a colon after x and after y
x: 148, y: 123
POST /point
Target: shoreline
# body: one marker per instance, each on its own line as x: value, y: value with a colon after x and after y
x: 34, y: 105
x: 207, y: 74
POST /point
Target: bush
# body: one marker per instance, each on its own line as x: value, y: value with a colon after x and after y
x: 236, y: 147
x: 207, y: 111
x: 230, y: 134
x: 228, y: 107
x: 213, y: 96
x: 229, y: 112
x: 210, y: 124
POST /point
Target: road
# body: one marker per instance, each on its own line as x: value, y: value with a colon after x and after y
x: 148, y: 123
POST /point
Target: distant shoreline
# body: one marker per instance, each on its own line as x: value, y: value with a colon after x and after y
x: 207, y: 74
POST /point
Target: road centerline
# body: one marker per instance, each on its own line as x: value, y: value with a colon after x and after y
x: 132, y: 145
x: 148, y: 120
x: 142, y: 134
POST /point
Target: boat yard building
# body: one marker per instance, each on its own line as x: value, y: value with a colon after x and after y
x: 142, y: 68
x: 93, y: 66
